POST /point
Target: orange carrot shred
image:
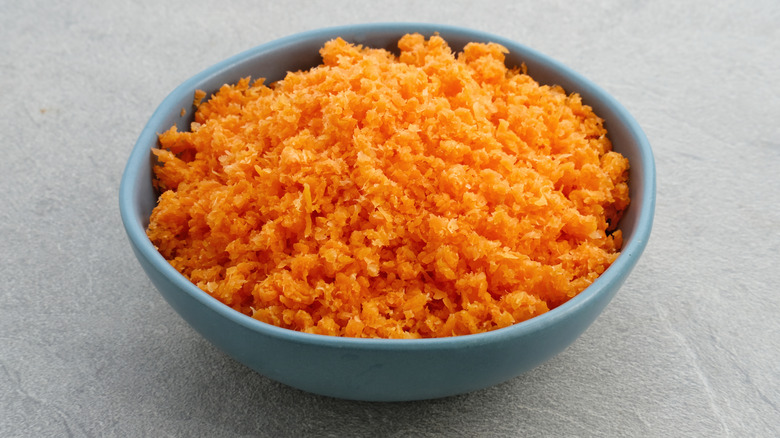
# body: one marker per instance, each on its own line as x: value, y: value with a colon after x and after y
x: 427, y: 194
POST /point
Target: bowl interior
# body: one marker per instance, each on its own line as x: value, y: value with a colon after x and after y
x: 272, y: 61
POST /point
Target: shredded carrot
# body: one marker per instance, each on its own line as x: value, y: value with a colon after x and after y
x: 425, y: 194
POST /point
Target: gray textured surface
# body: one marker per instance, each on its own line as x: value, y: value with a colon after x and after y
x: 689, y: 347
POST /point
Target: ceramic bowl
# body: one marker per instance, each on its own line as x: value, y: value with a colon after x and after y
x: 383, y: 369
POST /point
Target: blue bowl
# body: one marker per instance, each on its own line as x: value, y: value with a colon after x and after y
x: 384, y: 369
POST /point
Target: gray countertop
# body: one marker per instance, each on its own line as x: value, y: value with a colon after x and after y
x: 689, y: 347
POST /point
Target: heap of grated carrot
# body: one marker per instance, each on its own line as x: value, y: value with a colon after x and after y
x: 426, y: 194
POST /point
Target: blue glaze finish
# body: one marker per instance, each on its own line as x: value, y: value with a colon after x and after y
x: 383, y: 369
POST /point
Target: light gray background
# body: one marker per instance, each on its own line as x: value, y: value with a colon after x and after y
x: 689, y: 347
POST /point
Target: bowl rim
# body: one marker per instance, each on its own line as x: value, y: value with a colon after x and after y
x: 625, y: 262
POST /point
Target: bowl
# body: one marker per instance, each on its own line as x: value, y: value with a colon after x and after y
x: 384, y: 369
